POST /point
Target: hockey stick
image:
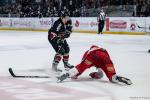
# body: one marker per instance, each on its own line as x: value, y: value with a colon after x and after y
x: 142, y: 27
x: 24, y: 76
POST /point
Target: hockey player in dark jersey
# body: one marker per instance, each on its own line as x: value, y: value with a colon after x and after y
x: 57, y: 34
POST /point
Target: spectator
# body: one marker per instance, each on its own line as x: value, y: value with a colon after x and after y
x: 77, y: 13
x: 76, y: 8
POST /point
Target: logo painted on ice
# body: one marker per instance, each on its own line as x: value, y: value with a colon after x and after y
x: 18, y: 89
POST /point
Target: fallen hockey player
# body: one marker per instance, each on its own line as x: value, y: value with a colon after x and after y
x: 99, y: 58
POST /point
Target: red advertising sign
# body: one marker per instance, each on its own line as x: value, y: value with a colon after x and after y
x: 119, y: 24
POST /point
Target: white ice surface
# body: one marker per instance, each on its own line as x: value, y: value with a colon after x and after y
x: 30, y: 53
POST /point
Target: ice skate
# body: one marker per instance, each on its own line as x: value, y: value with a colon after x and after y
x: 124, y: 80
x: 120, y: 79
x: 68, y: 66
x: 55, y: 67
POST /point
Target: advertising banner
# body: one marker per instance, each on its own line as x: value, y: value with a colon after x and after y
x: 87, y: 24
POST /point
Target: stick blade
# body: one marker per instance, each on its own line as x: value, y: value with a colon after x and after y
x: 11, y: 72
x: 25, y: 76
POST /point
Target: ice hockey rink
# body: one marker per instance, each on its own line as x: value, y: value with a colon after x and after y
x: 29, y: 53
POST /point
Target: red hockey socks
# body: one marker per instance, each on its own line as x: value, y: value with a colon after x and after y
x: 56, y: 61
x: 65, y: 59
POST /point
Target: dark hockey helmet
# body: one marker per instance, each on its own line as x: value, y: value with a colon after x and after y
x: 64, y: 14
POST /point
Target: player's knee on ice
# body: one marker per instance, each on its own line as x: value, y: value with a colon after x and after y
x: 74, y: 73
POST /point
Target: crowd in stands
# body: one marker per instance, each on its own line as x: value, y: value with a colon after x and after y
x: 53, y: 8
x: 143, y: 8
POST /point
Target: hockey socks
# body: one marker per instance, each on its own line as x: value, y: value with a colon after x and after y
x: 65, y: 61
x: 56, y: 61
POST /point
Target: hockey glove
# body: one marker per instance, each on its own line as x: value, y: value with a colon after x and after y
x: 67, y: 34
x: 53, y: 35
